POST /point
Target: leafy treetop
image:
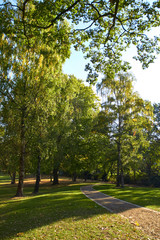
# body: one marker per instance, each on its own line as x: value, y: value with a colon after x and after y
x: 102, y: 29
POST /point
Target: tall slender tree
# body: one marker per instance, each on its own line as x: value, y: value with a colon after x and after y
x: 27, y: 75
x: 127, y: 113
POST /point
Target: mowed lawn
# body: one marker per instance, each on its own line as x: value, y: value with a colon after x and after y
x: 143, y: 196
x: 61, y: 212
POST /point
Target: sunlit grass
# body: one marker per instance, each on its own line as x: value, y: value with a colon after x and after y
x: 144, y: 196
x: 4, y: 179
x: 61, y: 212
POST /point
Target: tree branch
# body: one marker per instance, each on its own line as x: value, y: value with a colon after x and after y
x: 114, y: 21
x: 101, y: 16
x: 23, y: 20
x: 58, y: 16
x: 12, y: 5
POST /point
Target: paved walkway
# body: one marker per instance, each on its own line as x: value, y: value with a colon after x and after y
x: 147, y: 219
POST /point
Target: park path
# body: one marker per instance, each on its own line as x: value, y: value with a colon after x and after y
x: 146, y: 219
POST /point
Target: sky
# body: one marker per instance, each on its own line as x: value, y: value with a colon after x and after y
x: 147, y: 81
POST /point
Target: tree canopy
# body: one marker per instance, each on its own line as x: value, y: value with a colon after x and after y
x: 127, y: 117
x: 52, y: 120
x: 102, y: 29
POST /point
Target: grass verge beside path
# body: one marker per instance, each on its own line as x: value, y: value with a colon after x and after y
x: 143, y: 196
x: 61, y: 212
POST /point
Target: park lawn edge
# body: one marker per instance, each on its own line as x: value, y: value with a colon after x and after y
x: 147, y: 197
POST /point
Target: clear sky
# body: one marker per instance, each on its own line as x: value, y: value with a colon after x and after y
x: 147, y: 81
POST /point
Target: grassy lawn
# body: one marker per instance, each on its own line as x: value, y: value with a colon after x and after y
x: 143, y: 196
x: 61, y: 212
x: 4, y: 179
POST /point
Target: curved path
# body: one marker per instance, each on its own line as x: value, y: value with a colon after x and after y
x: 147, y: 219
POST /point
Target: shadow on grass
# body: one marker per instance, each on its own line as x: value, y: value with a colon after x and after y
x: 142, y: 196
x: 31, y: 212
x: 53, y: 204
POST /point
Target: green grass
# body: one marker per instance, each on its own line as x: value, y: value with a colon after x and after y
x: 61, y: 212
x: 143, y: 196
x: 4, y: 178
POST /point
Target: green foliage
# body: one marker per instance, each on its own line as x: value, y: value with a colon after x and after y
x: 150, y: 167
x: 127, y: 119
x: 84, y: 107
x: 46, y: 114
x: 103, y: 29
x: 30, y: 73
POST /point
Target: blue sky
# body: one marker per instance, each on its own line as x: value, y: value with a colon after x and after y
x: 147, y: 81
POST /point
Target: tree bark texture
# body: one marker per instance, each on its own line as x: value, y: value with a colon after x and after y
x: 55, y: 176
x: 19, y: 192
x: 57, y: 161
x: 118, y: 165
x: 13, y: 178
x: 38, y: 175
x: 122, y: 176
x: 74, y: 177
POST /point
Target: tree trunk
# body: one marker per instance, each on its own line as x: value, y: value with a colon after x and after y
x: 51, y: 180
x: 38, y: 178
x: 13, y: 178
x: 55, y: 176
x: 122, y: 176
x: 74, y: 177
x: 118, y: 165
x: 119, y: 161
x: 104, y: 176
x: 22, y: 157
